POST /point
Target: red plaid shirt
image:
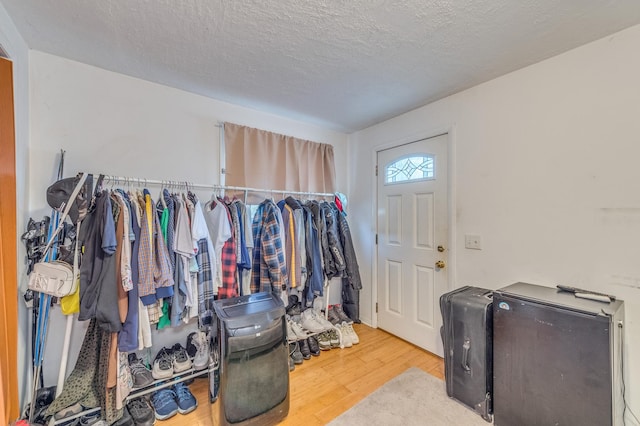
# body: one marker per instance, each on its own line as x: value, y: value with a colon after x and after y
x: 229, y: 264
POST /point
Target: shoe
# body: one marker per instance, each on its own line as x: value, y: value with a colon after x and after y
x: 334, y: 338
x: 164, y: 404
x: 198, y: 349
x: 310, y: 323
x: 324, y: 341
x: 92, y: 419
x: 45, y: 396
x: 291, y: 335
x: 293, y: 300
x: 163, y: 365
x: 292, y: 365
x: 141, y: 412
x: 333, y: 317
x: 345, y: 338
x: 140, y: 374
x: 314, y: 348
x: 294, y: 308
x: 304, y: 349
x: 320, y: 319
x: 295, y: 354
x: 298, y: 330
x: 185, y: 399
x: 343, y: 317
x: 351, y: 332
x: 125, y: 420
x: 181, y: 360
x: 67, y: 412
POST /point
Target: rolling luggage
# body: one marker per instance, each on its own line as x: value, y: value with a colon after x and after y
x: 467, y: 337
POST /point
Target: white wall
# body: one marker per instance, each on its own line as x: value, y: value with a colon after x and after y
x: 13, y: 43
x: 546, y: 171
x: 117, y: 125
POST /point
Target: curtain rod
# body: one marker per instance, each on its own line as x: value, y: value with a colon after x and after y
x: 188, y: 185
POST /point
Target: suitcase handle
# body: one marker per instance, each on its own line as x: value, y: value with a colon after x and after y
x: 465, y: 355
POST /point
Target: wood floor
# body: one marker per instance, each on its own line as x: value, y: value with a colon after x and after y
x: 325, y: 386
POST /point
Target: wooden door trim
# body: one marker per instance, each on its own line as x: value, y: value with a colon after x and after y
x: 8, y: 246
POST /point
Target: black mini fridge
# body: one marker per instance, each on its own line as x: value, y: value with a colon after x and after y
x: 253, y: 370
x: 556, y: 358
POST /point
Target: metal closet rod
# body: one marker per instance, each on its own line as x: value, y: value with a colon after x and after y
x: 188, y: 185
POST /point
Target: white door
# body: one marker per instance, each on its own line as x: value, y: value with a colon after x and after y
x: 413, y: 232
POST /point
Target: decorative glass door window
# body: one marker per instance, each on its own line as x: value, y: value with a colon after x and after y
x: 411, y: 168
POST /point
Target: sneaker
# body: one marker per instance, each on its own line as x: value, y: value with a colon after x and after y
x: 324, y: 341
x: 140, y: 374
x: 125, y: 420
x: 69, y: 411
x: 345, y: 338
x: 293, y: 308
x: 291, y: 335
x: 92, y: 419
x: 298, y: 330
x: 334, y: 338
x: 141, y: 412
x: 198, y: 349
x: 304, y: 349
x: 185, y: 399
x: 164, y: 404
x: 333, y: 317
x: 181, y: 360
x: 191, y: 348
x: 320, y: 319
x: 292, y: 365
x: 343, y: 317
x: 295, y: 354
x: 314, y: 348
x: 351, y: 332
x: 310, y: 323
x: 163, y: 365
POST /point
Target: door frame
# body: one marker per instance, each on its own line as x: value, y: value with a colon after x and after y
x: 450, y: 131
x: 8, y: 247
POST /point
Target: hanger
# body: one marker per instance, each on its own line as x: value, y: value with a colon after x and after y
x: 164, y: 203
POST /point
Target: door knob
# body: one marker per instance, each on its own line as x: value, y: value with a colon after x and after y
x: 440, y: 264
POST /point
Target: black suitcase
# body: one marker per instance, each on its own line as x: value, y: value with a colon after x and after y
x: 467, y: 337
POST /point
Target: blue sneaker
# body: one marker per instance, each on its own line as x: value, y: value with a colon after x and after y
x: 186, y: 401
x: 164, y: 403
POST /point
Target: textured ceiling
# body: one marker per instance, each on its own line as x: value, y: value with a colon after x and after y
x: 342, y: 64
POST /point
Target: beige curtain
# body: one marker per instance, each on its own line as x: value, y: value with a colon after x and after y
x: 260, y: 159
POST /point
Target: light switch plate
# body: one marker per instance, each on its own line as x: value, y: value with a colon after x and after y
x: 473, y: 242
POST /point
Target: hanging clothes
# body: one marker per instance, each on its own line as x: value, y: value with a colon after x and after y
x: 300, y: 247
x: 228, y: 263
x: 220, y: 231
x: 245, y: 244
x: 269, y: 270
x: 315, y: 274
x: 205, y: 258
x: 351, y: 283
x: 98, y: 286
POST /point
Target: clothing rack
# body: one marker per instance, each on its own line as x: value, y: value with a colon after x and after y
x: 189, y: 185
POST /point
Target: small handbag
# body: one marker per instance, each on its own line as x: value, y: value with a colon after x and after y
x: 57, y: 278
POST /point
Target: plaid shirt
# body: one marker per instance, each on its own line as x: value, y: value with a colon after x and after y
x: 269, y: 272
x: 205, y: 282
x: 229, y: 265
x: 146, y: 287
x: 154, y: 269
